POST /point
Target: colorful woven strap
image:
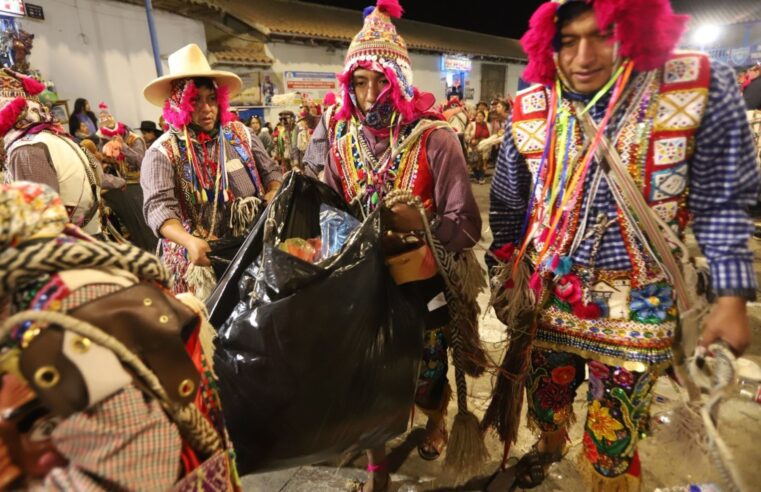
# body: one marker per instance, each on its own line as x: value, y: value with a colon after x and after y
x: 654, y: 229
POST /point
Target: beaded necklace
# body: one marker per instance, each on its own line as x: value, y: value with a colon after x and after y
x: 369, y: 178
x: 563, y: 175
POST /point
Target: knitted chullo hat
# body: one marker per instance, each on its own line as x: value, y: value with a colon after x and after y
x: 379, y: 47
x: 629, y: 20
x: 105, y: 118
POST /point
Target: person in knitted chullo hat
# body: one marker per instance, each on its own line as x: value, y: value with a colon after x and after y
x: 382, y: 138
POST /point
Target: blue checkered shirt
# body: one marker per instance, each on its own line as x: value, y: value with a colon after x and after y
x: 723, y: 184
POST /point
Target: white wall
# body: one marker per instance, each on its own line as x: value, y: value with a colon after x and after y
x: 101, y: 50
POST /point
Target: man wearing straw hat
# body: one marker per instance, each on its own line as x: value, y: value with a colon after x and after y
x: 206, y: 177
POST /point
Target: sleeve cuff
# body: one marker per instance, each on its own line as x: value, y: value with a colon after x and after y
x: 733, y: 277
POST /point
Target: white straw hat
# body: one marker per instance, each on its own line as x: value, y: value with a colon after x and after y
x: 188, y: 62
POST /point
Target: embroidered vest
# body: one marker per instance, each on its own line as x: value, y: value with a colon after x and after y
x: 238, y: 156
x: 409, y: 170
x: 657, y: 140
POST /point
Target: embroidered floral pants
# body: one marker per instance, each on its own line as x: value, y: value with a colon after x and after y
x: 432, y: 386
x: 617, y: 412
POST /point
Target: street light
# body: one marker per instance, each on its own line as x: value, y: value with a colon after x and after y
x: 706, y: 34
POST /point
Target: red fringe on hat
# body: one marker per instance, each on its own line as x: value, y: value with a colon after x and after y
x: 537, y: 43
x: 630, y: 19
x: 10, y: 113
x: 223, y: 100
x: 405, y: 108
x: 182, y: 114
x: 32, y: 86
x: 111, y: 133
x: 390, y: 7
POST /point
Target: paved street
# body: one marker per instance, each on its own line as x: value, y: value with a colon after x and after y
x: 665, y: 464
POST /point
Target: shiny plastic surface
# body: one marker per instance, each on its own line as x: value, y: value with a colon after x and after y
x: 313, y: 360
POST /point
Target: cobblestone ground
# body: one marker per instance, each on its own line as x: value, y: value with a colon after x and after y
x: 666, y: 463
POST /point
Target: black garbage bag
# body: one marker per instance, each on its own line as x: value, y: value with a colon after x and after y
x: 322, y: 359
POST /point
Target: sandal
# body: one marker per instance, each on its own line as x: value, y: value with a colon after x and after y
x: 531, y: 469
x: 431, y: 449
x: 357, y: 486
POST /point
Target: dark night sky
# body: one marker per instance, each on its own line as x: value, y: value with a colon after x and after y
x: 501, y: 18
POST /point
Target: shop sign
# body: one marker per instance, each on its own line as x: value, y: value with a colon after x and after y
x: 455, y: 64
x: 325, y: 81
x: 12, y: 7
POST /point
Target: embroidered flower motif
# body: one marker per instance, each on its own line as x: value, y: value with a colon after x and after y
x: 601, y: 424
x: 622, y: 377
x: 561, y: 416
x: 568, y: 289
x: 590, y: 449
x: 652, y: 303
x: 563, y: 375
x: 553, y: 396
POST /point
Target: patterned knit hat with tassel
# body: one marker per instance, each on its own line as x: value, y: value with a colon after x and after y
x: 378, y: 47
x: 379, y: 41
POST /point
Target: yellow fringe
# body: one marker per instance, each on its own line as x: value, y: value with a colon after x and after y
x: 598, y: 483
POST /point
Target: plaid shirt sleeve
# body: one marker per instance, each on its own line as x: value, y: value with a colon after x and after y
x: 508, y: 198
x: 724, y: 183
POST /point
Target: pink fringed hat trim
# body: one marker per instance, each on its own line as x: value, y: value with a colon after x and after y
x: 9, y: 115
x: 179, y: 107
x: 405, y: 107
x: 630, y: 18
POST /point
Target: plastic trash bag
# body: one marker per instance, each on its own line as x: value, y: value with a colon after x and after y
x: 313, y: 360
x: 335, y: 227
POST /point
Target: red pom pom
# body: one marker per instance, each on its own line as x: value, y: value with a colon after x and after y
x: 329, y: 99
x: 32, y: 86
x: 587, y: 311
x: 10, y: 113
x: 103, y: 106
x: 537, y: 43
x: 391, y: 7
x: 505, y: 253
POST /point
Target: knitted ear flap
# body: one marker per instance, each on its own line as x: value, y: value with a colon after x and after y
x: 10, y: 114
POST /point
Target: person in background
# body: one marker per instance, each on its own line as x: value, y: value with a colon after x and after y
x: 286, y: 141
x: 477, y: 131
x: 150, y: 132
x: 262, y: 132
x: 121, y: 145
x: 83, y: 115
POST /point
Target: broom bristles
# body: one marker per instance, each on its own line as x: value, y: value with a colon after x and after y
x: 466, y: 451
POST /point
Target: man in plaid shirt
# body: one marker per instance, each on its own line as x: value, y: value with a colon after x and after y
x: 678, y: 122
